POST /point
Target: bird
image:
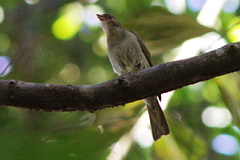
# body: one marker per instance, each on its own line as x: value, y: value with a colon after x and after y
x: 127, y: 53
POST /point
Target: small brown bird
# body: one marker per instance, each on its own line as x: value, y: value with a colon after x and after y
x: 127, y: 53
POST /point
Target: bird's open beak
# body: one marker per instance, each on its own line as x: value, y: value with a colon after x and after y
x: 101, y: 17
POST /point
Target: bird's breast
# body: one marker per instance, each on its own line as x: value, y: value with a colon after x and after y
x: 126, y: 55
x: 121, y: 56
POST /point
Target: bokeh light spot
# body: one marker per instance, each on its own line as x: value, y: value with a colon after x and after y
x: 91, y: 1
x: 32, y: 2
x: 156, y: 3
x: 195, y: 6
x: 5, y: 65
x: 1, y: 14
x: 176, y: 6
x: 69, y: 23
x: 70, y: 73
x: 225, y: 144
x: 97, y: 74
x: 90, y: 15
x: 231, y: 6
x: 216, y: 117
x: 100, y: 47
x: 212, y: 41
x: 234, y: 32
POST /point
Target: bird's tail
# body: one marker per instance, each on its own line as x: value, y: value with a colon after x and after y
x: 157, y: 119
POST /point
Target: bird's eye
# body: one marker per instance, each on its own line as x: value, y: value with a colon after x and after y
x: 108, y: 16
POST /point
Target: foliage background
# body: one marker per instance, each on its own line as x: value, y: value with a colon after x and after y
x: 60, y: 41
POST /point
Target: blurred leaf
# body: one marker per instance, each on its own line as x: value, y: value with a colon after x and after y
x: 168, y: 149
x: 10, y: 3
x: 120, y: 118
x: 229, y: 86
x: 86, y: 143
x: 70, y: 21
x: 211, y: 92
x: 4, y: 116
x: 116, y: 6
x: 187, y: 144
x: 233, y: 30
x: 137, y: 5
x: 163, y: 30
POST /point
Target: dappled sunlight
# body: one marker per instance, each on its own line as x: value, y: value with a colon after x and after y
x: 69, y: 22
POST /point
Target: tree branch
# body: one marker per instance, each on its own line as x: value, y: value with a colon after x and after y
x: 127, y: 88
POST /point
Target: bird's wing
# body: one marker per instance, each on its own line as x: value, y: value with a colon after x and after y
x: 146, y: 53
x: 144, y: 49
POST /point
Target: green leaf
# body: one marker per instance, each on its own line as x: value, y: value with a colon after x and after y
x: 191, y: 145
x: 229, y: 87
x: 87, y: 143
x: 136, y: 5
x: 164, y: 30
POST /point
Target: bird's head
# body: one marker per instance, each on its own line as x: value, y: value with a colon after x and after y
x: 109, y: 23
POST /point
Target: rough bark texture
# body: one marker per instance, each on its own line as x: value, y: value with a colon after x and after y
x: 127, y: 88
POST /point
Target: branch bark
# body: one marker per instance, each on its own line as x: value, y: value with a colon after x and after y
x: 121, y: 90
